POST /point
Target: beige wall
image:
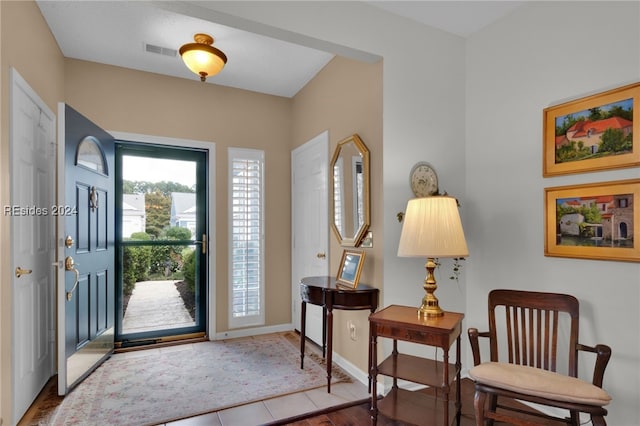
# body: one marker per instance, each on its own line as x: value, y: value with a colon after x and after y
x: 346, y: 98
x: 27, y: 45
x: 124, y: 100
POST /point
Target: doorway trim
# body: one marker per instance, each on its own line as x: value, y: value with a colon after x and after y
x: 310, y: 262
x: 211, y: 147
x: 18, y: 84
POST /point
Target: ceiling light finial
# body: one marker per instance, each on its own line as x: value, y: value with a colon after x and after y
x: 202, y: 58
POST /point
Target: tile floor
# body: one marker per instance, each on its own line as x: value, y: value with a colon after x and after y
x: 275, y: 409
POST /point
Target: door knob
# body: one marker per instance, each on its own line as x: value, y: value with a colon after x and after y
x: 20, y: 272
x: 321, y: 255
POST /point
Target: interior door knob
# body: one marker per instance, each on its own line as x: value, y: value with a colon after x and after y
x: 20, y: 272
x: 321, y: 255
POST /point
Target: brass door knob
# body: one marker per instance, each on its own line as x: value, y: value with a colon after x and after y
x: 321, y: 255
x: 20, y: 272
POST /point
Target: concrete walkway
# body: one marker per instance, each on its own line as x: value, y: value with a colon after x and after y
x: 155, y: 305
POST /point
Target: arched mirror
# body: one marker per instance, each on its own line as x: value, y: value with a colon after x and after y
x: 350, y: 191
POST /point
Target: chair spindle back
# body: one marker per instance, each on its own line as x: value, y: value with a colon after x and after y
x: 531, y: 327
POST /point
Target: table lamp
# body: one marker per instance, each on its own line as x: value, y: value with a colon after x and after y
x: 432, y: 228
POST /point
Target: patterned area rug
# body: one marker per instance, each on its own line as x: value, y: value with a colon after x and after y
x: 139, y: 388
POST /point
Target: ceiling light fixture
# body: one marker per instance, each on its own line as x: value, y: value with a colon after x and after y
x: 202, y: 58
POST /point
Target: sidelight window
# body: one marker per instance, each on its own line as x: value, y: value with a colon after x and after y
x: 246, y: 225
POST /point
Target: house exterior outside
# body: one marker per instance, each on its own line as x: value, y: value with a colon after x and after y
x: 133, y: 214
x: 183, y: 210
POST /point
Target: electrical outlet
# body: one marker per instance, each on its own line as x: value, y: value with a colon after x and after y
x: 352, y: 330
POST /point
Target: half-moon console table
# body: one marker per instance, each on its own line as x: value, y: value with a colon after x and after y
x: 323, y: 291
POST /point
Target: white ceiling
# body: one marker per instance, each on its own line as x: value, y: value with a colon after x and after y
x: 116, y: 33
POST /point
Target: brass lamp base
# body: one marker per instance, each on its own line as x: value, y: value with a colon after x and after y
x: 430, y: 307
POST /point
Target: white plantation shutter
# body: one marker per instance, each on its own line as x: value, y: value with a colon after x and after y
x: 246, y: 178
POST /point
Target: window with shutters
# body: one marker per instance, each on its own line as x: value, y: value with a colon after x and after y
x: 246, y: 225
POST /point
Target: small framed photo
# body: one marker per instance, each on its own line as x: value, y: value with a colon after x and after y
x: 593, y: 221
x: 350, y: 268
x: 597, y: 132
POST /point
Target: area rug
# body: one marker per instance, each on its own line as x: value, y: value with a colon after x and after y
x: 139, y: 388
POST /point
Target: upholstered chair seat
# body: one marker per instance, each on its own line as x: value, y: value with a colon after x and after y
x: 538, y: 382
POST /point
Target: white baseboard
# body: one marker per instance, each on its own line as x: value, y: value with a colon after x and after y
x: 246, y: 332
x: 351, y: 369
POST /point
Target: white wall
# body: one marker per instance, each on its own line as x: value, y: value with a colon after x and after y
x: 546, y: 53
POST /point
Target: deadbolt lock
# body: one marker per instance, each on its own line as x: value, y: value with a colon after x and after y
x: 68, y: 242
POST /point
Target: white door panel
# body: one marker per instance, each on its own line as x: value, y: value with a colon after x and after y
x: 310, y: 217
x: 32, y: 144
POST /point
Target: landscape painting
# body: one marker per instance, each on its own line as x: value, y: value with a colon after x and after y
x: 592, y: 133
x: 594, y: 221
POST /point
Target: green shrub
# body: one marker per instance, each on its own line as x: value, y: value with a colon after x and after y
x: 189, y: 269
x: 136, y: 262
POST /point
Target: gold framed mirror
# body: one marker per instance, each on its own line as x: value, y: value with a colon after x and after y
x: 349, y: 191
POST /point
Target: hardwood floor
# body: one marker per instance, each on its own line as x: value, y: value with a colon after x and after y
x: 358, y: 415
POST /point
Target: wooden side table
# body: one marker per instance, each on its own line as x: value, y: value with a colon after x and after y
x: 402, y: 323
x: 323, y: 291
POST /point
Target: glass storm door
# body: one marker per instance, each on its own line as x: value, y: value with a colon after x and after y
x: 161, y: 243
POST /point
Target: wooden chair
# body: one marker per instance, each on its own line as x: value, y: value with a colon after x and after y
x: 531, y: 341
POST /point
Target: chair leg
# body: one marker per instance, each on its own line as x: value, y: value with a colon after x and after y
x: 493, y: 406
x: 575, y: 418
x: 598, y: 420
x: 478, y: 405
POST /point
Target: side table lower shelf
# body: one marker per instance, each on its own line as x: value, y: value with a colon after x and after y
x: 414, y: 407
x: 418, y: 370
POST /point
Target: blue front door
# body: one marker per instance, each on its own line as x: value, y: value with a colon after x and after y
x: 87, y: 309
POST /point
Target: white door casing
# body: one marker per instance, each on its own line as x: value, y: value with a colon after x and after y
x: 32, y: 213
x: 310, y: 225
x: 211, y: 210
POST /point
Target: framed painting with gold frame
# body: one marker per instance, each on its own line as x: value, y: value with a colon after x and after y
x: 596, y: 132
x: 593, y: 221
x: 350, y: 268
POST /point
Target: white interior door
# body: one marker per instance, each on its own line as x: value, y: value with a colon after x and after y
x: 32, y: 145
x: 310, y: 222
